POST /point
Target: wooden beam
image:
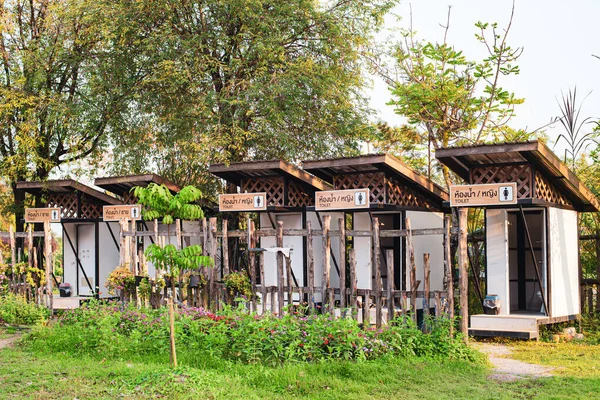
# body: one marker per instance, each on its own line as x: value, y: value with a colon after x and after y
x: 463, y: 272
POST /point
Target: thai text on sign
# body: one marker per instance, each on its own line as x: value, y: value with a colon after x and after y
x: 132, y: 212
x: 342, y: 199
x: 243, y: 202
x: 491, y: 194
x: 33, y: 215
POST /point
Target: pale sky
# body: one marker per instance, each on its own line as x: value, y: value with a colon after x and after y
x: 559, y: 38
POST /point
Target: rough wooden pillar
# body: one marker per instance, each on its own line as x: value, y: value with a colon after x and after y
x: 353, y: 284
x: 311, y: 266
x: 597, y: 242
x: 225, y: 244
x: 390, y: 284
x: 343, y: 294
x: 133, y: 248
x: 448, y: 269
x: 280, y: 278
x: 48, y: 254
x: 426, y: 283
x: 13, y: 254
x: 326, y: 261
x: 413, y: 270
x: 252, y: 245
x: 377, y: 266
x: 213, y: 252
x: 463, y: 264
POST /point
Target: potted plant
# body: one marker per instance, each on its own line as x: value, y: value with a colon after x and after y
x: 238, y: 284
x: 194, y: 279
x: 159, y: 202
x: 120, y: 280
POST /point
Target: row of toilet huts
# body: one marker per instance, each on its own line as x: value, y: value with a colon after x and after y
x: 541, y: 227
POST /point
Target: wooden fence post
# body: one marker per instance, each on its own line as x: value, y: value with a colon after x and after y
x: 122, y: 241
x: 353, y: 284
x: 288, y: 278
x: 280, y: 278
x: 225, y: 246
x: 463, y: 273
x: 390, y: 285
x: 597, y: 243
x: 342, y: 260
x: 326, y: 262
x: 13, y: 256
x: 377, y: 265
x: 448, y: 270
x: 311, y: 266
x: 211, y: 271
x: 48, y: 253
x: 252, y: 245
x: 413, y: 270
x: 133, y: 249
x: 173, y: 352
x: 426, y: 289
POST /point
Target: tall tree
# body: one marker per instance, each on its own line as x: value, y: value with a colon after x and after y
x: 59, y: 88
x: 453, y: 99
x: 244, y: 79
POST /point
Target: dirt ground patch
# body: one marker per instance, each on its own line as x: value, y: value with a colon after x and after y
x: 507, y: 369
x: 8, y: 340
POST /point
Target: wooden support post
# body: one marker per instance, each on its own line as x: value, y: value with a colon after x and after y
x: 342, y: 263
x: 390, y: 285
x: 38, y: 300
x: 353, y: 284
x: 438, y: 303
x: 172, y: 332
x: 280, y: 278
x: 463, y: 264
x: 252, y: 244
x: 225, y: 244
x: 13, y: 255
x: 178, y: 234
x: 133, y: 249
x: 122, y: 243
x: 413, y: 270
x: 30, y: 246
x: 449, y: 279
x: 326, y: 262
x: 211, y: 271
x: 367, y: 309
x: 426, y: 287
x: 290, y: 282
x: 377, y: 266
x: 311, y: 266
x: 426, y: 290
x: 48, y: 254
x: 263, y: 286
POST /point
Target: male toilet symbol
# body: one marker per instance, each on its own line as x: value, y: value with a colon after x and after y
x: 134, y: 212
x: 54, y: 215
x: 257, y: 201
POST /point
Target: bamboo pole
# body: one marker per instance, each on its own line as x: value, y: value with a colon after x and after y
x: 311, y: 266
x: 173, y: 352
x: 463, y: 273
x: 342, y: 260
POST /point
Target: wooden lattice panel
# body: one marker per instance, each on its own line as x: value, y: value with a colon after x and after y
x: 90, y: 211
x: 404, y: 196
x: 66, y: 202
x: 521, y: 174
x: 547, y: 191
x: 129, y: 198
x: 273, y: 186
x: 375, y: 181
x: 297, y: 197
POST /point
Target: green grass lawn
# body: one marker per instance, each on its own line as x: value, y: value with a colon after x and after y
x: 28, y: 375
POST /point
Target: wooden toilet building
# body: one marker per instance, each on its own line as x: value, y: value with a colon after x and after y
x: 532, y: 249
x: 396, y: 192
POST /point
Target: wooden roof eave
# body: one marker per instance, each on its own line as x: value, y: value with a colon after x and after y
x: 379, y: 162
x: 37, y: 187
x: 234, y: 173
x: 112, y: 182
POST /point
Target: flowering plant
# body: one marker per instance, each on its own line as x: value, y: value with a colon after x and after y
x: 120, y: 279
x: 237, y: 283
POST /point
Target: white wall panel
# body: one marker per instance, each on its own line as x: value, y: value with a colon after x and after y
x: 497, y: 257
x: 564, y: 263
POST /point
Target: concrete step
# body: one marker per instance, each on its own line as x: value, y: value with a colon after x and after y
x: 514, y: 334
x: 505, y: 322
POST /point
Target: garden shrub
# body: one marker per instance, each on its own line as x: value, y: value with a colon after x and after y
x: 14, y: 309
x: 108, y: 331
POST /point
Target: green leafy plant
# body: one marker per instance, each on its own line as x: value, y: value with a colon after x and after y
x: 121, y: 278
x: 175, y: 261
x: 14, y: 309
x: 238, y: 284
x: 144, y: 289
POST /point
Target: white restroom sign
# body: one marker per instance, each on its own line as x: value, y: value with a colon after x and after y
x: 492, y: 194
x: 342, y: 199
x: 243, y: 202
x: 131, y: 212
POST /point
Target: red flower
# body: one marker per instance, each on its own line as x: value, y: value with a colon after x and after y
x: 326, y: 341
x: 301, y: 344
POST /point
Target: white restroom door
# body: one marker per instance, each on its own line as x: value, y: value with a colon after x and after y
x: 86, y: 251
